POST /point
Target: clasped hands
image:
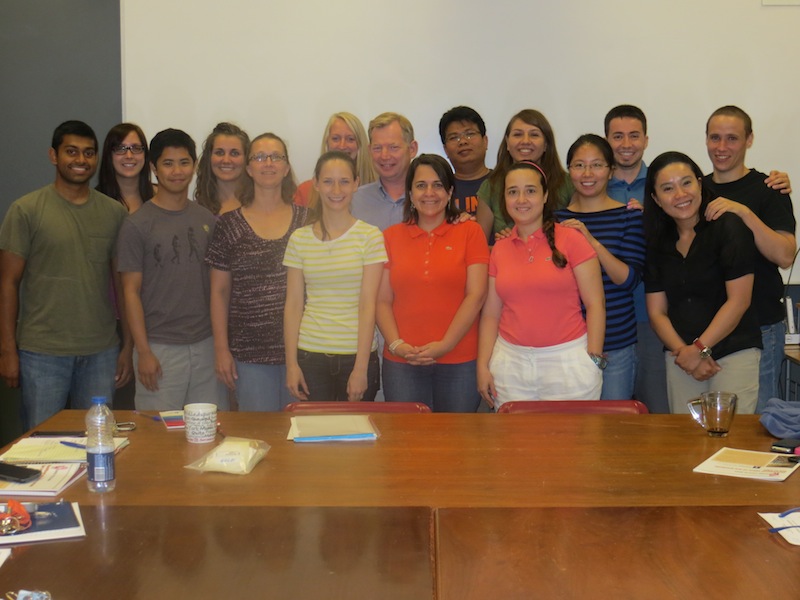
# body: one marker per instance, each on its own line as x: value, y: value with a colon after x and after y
x: 688, y: 358
x: 421, y: 356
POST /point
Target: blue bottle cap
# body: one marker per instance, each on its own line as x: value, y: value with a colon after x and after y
x: 98, y: 400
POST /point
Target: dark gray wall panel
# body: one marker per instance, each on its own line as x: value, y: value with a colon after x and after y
x: 59, y: 60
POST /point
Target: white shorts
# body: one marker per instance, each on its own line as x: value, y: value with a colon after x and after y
x: 561, y: 372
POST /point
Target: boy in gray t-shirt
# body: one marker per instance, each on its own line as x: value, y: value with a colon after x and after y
x: 165, y: 282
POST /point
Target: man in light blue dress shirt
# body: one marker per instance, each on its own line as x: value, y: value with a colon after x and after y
x: 392, y: 147
x: 626, y: 132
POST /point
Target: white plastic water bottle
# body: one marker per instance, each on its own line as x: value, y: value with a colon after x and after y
x: 100, y: 446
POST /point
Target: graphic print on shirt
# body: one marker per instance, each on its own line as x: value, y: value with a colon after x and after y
x: 193, y: 249
x: 176, y: 250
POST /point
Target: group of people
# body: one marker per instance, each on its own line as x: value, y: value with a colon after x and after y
x: 443, y: 280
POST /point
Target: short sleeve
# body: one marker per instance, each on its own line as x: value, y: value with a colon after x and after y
x: 219, y: 252
x: 777, y: 213
x: 477, y: 250
x: 130, y: 249
x: 390, y: 237
x: 15, y: 233
x: 292, y: 257
x: 652, y: 273
x: 738, y: 249
x: 572, y: 244
x: 374, y: 248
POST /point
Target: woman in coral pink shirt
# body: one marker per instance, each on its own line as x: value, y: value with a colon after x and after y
x: 534, y: 341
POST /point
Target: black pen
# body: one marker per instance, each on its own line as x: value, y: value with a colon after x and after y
x: 58, y: 434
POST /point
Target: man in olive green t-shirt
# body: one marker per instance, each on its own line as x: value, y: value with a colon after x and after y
x: 58, y: 335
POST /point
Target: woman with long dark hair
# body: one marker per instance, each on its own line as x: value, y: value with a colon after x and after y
x: 699, y: 283
x: 124, y: 172
x: 534, y: 342
x: 528, y: 137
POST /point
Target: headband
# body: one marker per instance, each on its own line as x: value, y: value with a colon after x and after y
x: 537, y: 167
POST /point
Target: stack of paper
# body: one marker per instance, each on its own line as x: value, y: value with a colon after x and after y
x: 55, y: 478
x: 172, y: 419
x: 332, y: 428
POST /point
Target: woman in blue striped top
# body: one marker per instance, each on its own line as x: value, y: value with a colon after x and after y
x: 617, y: 235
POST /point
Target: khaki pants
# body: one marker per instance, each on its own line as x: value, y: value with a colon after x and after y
x: 739, y: 375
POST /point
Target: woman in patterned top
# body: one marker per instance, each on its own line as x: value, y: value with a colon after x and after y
x: 336, y: 264
x: 248, y: 279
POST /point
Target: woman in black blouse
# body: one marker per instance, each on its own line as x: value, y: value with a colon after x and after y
x: 699, y: 281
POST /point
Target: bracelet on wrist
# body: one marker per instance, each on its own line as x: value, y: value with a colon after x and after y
x: 393, y: 346
x: 601, y: 360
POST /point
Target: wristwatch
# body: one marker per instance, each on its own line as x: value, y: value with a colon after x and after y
x: 601, y: 360
x: 705, y: 351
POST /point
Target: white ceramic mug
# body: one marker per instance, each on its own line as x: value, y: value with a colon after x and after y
x: 201, y: 422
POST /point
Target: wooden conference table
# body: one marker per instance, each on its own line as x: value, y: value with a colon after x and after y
x: 446, y: 506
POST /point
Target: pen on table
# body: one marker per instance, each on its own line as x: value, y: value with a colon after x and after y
x: 153, y: 417
x: 73, y: 445
x: 58, y: 434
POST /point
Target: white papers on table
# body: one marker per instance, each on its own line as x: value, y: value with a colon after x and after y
x: 51, y: 450
x: 793, y: 519
x: 331, y: 428
x: 767, y: 466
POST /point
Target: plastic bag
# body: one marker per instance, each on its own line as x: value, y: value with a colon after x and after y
x: 234, y: 455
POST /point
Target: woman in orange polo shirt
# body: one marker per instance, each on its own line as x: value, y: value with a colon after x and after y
x: 431, y: 293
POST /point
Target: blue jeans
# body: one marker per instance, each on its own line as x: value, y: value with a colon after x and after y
x: 444, y: 388
x: 769, y: 367
x: 326, y: 375
x: 651, y: 374
x: 47, y: 381
x: 261, y: 387
x: 619, y: 376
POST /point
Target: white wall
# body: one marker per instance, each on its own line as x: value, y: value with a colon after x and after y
x: 285, y: 66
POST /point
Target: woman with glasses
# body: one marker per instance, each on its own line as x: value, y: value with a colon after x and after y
x: 431, y: 293
x: 616, y: 233
x: 124, y: 167
x: 220, y: 169
x: 335, y: 266
x: 528, y: 137
x: 248, y: 279
x: 699, y: 285
x: 345, y: 133
x: 124, y: 175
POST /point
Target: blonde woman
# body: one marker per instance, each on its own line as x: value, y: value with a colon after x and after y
x: 345, y: 133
